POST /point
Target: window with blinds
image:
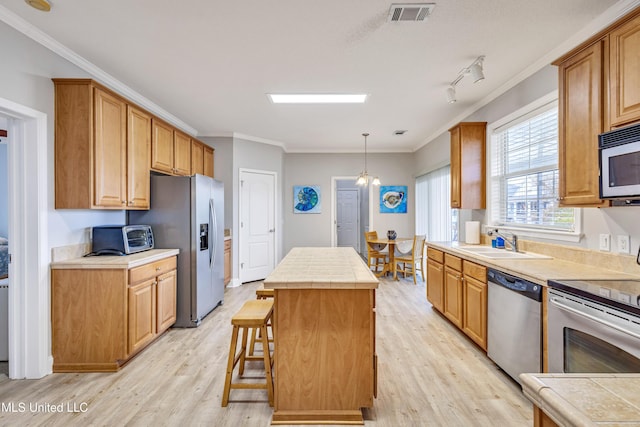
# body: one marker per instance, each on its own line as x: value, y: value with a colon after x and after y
x: 434, y: 216
x: 524, y: 173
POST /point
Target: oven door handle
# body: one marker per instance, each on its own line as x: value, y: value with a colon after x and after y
x: 590, y: 317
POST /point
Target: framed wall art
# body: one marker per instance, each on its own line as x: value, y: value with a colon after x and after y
x: 393, y: 199
x: 307, y: 199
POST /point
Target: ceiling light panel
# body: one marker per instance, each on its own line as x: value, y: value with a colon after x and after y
x: 317, y: 98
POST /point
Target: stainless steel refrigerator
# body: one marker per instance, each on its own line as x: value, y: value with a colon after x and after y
x: 187, y: 212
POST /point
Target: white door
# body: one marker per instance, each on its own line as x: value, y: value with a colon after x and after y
x: 347, y: 216
x: 257, y: 225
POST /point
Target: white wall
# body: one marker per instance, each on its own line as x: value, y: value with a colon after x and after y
x: 4, y: 196
x: 25, y: 78
x: 318, y: 169
x: 222, y: 171
x: 614, y: 221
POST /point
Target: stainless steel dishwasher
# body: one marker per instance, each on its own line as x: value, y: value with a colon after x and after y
x: 514, y: 323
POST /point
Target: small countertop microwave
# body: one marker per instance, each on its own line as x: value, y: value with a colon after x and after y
x: 619, y: 154
x: 121, y: 239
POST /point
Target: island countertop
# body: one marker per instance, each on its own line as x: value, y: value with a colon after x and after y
x: 586, y: 399
x: 307, y: 268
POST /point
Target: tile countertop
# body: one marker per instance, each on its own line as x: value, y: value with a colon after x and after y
x: 586, y: 399
x: 306, y: 268
x: 121, y: 262
x: 535, y: 270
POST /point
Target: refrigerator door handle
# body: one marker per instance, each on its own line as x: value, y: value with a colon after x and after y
x: 214, y: 225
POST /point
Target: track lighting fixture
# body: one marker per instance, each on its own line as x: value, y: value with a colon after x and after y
x: 451, y: 94
x: 476, y: 71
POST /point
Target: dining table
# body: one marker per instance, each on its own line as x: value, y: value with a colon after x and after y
x: 380, y: 243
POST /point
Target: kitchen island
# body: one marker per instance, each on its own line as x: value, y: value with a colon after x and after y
x: 324, y: 337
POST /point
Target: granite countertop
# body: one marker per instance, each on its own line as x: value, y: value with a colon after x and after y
x: 586, y: 399
x: 537, y: 270
x: 306, y: 268
x: 116, y: 262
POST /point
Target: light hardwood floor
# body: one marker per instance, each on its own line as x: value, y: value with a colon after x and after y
x: 430, y: 374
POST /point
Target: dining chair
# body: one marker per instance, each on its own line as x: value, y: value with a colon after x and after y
x: 410, y: 260
x: 375, y: 252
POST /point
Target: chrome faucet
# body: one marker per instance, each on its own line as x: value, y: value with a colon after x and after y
x: 513, y: 242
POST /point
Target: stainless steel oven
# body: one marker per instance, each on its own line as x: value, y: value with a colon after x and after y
x: 593, y: 326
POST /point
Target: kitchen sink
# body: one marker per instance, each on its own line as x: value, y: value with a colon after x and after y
x: 494, y: 253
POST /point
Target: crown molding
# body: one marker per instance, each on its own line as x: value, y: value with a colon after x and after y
x: 96, y: 72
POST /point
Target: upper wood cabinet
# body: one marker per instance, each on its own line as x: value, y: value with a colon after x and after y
x: 162, y: 147
x: 99, y: 145
x: 138, y: 157
x: 197, y: 157
x: 624, y: 75
x: 201, y: 158
x: 581, y: 118
x: 598, y: 90
x: 182, y: 153
x: 468, y: 168
x: 208, y: 161
x: 170, y: 150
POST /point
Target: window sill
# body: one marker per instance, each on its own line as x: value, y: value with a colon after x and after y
x: 560, y: 236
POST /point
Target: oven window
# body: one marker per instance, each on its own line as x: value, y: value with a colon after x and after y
x: 585, y: 353
x: 137, y: 238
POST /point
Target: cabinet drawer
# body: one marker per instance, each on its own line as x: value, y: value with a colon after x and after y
x: 435, y: 255
x: 453, y: 262
x: 476, y: 271
x: 152, y: 269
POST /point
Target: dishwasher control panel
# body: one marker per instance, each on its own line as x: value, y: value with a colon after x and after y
x: 528, y: 289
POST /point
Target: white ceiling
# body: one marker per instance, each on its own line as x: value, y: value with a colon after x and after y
x: 210, y: 63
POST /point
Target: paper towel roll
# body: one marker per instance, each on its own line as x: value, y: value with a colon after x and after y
x: 472, y: 232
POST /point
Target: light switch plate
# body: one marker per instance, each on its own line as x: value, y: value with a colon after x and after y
x: 605, y: 242
x: 623, y: 244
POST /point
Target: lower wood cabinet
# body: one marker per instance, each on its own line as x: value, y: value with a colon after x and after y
x: 101, y: 317
x: 453, y: 289
x: 458, y: 289
x: 435, y: 284
x: 474, y: 322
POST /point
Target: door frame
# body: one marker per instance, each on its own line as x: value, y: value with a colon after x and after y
x: 334, y: 206
x: 29, y: 287
x: 277, y: 233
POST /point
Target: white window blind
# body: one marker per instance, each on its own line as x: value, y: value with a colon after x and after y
x: 524, y: 173
x: 434, y: 216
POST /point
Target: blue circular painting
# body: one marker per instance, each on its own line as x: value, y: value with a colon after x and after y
x: 307, y: 198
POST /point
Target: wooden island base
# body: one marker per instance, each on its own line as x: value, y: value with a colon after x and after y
x: 324, y: 337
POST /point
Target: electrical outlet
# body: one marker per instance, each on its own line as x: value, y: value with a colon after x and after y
x: 623, y: 244
x: 605, y: 242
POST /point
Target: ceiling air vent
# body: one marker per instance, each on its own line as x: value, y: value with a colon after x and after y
x: 411, y: 12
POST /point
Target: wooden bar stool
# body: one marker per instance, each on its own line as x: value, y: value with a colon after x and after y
x: 261, y: 294
x: 253, y: 314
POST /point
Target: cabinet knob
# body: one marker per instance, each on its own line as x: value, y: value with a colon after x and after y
x: 124, y: 202
x: 157, y: 268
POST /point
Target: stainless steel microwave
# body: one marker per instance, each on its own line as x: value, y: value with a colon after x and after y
x: 619, y: 154
x: 121, y: 239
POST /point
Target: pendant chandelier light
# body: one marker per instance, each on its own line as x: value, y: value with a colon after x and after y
x: 363, y: 178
